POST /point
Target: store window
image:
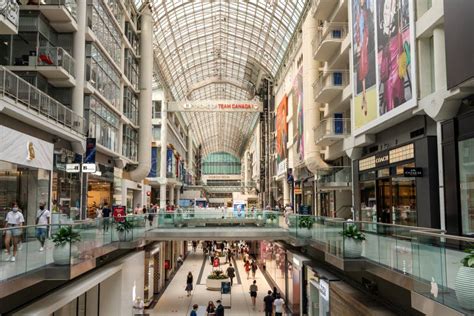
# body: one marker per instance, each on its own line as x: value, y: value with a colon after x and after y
x: 130, y: 105
x: 274, y: 258
x: 130, y: 143
x: 103, y: 124
x: 156, y: 109
x: 466, y: 185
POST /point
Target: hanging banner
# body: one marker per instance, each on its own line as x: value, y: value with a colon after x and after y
x: 215, y: 106
x: 153, y: 169
x: 169, y: 161
x: 90, y: 150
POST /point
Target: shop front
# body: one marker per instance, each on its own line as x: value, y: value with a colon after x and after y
x: 458, y: 166
x: 99, y: 189
x: 272, y: 257
x: 26, y: 165
x: 399, y: 185
x: 315, y: 290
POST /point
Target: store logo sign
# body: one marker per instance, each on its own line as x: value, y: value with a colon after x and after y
x: 73, y: 167
x: 381, y: 159
x: 31, y: 151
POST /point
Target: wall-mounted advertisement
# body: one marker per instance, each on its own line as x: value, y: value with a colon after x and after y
x: 297, y: 96
x: 281, y: 130
x: 383, y: 70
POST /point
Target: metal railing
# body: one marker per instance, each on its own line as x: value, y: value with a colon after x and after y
x: 329, y: 31
x: 56, y: 56
x: 30, y: 97
x: 331, y: 79
x: 12, y: 13
x: 333, y: 127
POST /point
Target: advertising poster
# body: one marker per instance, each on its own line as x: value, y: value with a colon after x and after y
x: 394, y: 53
x: 90, y: 150
x: 382, y: 50
x: 119, y: 213
x: 169, y: 161
x: 281, y: 129
x: 154, y: 156
x: 363, y: 54
x: 297, y: 95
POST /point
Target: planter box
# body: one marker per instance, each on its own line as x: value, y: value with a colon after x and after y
x: 62, y: 255
x: 215, y: 285
x: 465, y: 287
x: 304, y: 232
x: 352, y: 248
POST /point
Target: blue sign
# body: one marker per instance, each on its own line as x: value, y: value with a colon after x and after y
x: 169, y: 161
x: 154, y: 156
x: 225, y: 288
x: 90, y: 150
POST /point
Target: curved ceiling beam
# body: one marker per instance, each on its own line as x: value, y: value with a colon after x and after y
x: 217, y: 79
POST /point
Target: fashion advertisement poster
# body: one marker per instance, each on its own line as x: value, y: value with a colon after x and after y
x: 394, y: 53
x: 363, y: 41
x: 297, y: 95
x: 382, y: 42
x: 281, y: 129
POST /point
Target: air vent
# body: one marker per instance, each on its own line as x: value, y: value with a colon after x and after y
x: 418, y: 132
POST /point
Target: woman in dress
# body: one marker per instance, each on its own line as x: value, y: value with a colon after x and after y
x: 189, y: 283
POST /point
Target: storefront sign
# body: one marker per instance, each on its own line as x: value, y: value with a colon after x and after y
x: 73, y: 167
x: 298, y: 190
x: 119, y: 213
x: 324, y: 289
x: 413, y: 172
x: 381, y: 159
x: 89, y: 168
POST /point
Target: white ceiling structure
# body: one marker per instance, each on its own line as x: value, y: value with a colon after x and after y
x: 209, y: 50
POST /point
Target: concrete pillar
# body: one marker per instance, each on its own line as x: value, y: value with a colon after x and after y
x: 286, y: 191
x: 311, y: 117
x: 79, y: 54
x: 172, y: 188
x: 190, y: 158
x: 178, y: 195
x: 439, y: 56
x: 162, y: 196
x: 145, y: 99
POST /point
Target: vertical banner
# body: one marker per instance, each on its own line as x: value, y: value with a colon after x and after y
x: 154, y: 155
x: 297, y: 96
x: 90, y: 150
x: 169, y: 161
x: 281, y: 129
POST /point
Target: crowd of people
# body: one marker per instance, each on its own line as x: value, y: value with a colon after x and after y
x: 231, y: 251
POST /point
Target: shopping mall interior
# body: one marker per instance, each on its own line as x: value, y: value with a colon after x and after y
x: 247, y: 157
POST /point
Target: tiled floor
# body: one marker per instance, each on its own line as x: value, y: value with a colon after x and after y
x: 175, y: 302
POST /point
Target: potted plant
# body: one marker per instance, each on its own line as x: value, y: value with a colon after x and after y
x: 352, y: 241
x: 271, y: 218
x: 464, y: 284
x: 64, y: 248
x: 168, y: 218
x: 123, y: 228
x: 305, y: 223
x: 214, y: 280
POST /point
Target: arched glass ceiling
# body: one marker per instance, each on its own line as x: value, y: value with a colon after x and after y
x: 204, y: 47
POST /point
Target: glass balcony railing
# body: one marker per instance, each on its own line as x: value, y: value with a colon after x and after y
x: 11, y: 13
x: 431, y: 259
x: 30, y: 97
x: 334, y: 176
x: 56, y: 56
x: 70, y: 5
x: 332, y: 129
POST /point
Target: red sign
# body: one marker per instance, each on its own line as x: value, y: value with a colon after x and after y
x: 216, y: 263
x: 167, y: 265
x: 236, y: 106
x: 119, y: 213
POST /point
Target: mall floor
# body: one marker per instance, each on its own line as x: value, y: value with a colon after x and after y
x: 175, y: 302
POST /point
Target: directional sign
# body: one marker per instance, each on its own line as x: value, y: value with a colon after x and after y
x: 73, y: 167
x: 88, y: 168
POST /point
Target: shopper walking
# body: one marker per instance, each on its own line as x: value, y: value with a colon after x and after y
x: 211, y: 309
x: 254, y: 268
x: 268, y: 301
x: 43, y: 217
x: 106, y: 216
x: 247, y: 269
x: 253, y: 292
x: 193, y: 312
x: 189, y: 283
x: 194, y: 246
x: 14, y: 221
x: 279, y: 304
x: 219, y: 308
x: 231, y: 273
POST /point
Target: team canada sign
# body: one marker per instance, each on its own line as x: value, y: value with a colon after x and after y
x: 215, y: 106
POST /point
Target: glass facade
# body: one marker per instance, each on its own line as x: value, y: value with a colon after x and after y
x: 273, y: 257
x: 103, y: 76
x: 130, y: 105
x: 105, y: 29
x: 103, y: 124
x: 466, y: 185
x: 221, y: 163
x: 130, y: 142
x: 131, y: 68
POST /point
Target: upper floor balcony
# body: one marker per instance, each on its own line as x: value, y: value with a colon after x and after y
x: 328, y: 40
x: 22, y: 95
x: 54, y: 63
x: 61, y: 14
x: 329, y: 85
x: 332, y: 130
x: 9, y: 17
x: 334, y: 178
x: 322, y: 9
